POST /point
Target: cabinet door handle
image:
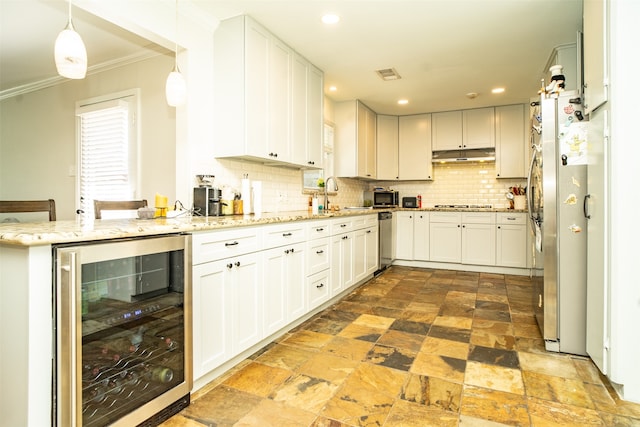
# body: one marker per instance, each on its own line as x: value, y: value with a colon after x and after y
x: 229, y: 265
x: 368, y: 231
x: 237, y: 263
x: 319, y: 229
x: 292, y: 250
x: 320, y: 285
x: 345, y: 237
x: 287, y: 234
x: 511, y: 218
x: 286, y: 251
x: 343, y: 225
x: 320, y: 252
x: 231, y: 244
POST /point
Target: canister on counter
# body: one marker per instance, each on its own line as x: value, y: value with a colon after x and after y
x: 238, y: 207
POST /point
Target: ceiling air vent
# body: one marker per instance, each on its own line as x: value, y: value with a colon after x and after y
x: 388, y: 74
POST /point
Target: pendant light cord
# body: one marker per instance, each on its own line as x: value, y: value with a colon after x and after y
x: 176, y: 37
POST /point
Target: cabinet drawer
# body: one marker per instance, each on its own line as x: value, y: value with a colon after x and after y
x: 215, y: 245
x: 317, y: 255
x: 511, y: 218
x: 341, y: 225
x: 364, y: 221
x: 448, y: 217
x: 318, y: 289
x: 283, y: 234
x: 478, y: 217
x: 318, y: 229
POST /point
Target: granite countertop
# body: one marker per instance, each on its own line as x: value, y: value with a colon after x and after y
x: 45, y: 233
x: 51, y: 232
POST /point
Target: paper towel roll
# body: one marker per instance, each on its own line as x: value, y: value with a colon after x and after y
x: 257, y: 197
x: 245, y: 193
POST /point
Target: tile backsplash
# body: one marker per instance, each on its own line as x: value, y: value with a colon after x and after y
x: 470, y: 183
x: 459, y: 183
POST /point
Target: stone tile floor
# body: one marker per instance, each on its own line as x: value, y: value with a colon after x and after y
x: 414, y: 347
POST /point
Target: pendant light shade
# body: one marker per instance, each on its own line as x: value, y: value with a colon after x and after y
x: 176, y: 86
x: 70, y: 52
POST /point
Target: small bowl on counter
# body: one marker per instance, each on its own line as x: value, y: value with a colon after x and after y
x: 146, y: 213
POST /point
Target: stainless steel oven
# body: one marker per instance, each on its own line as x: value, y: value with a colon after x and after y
x: 123, y: 339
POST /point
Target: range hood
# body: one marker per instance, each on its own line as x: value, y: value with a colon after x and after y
x: 474, y: 155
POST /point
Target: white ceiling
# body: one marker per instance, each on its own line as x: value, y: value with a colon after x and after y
x: 443, y: 49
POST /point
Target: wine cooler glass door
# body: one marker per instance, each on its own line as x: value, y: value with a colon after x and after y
x: 122, y: 338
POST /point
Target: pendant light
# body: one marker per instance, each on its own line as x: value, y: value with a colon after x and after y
x: 70, y: 53
x: 176, y: 86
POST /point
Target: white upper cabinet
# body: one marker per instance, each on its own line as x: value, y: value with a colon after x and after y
x: 306, y: 113
x: 478, y: 128
x: 414, y: 152
x: 268, y: 99
x: 355, y: 140
x: 595, y: 54
x: 462, y: 130
x: 511, y: 141
x: 387, y: 147
x: 446, y: 131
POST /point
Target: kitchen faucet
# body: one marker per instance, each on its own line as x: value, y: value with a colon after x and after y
x: 325, y: 206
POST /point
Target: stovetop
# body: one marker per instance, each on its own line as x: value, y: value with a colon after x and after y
x: 464, y: 206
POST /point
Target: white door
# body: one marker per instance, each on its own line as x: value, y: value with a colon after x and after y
x: 445, y: 242
x: 246, y: 305
x: 211, y: 327
x: 274, y: 301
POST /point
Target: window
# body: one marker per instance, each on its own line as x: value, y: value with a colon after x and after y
x: 107, y: 150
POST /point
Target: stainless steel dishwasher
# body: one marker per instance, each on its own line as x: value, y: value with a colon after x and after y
x: 385, y: 240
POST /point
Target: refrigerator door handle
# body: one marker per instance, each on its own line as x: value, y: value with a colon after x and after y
x: 585, y: 205
x: 529, y: 193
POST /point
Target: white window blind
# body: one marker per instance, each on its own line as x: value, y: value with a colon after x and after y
x: 106, y: 153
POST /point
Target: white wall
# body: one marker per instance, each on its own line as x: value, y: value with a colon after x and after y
x: 37, y: 135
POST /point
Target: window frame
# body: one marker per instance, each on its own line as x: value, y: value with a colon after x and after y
x: 132, y: 98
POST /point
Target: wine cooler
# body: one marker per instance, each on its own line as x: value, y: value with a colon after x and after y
x: 123, y: 347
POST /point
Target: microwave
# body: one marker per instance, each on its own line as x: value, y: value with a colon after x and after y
x: 383, y: 199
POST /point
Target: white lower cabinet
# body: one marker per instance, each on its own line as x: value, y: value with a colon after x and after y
x: 227, y: 310
x: 249, y: 283
x: 284, y: 283
x: 511, y: 240
x: 421, y: 236
x: 445, y: 236
x: 478, y: 244
x: 342, y: 276
x: 404, y: 235
x: 372, y: 250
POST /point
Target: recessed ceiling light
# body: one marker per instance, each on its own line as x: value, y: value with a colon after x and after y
x: 497, y: 90
x: 403, y: 101
x: 330, y: 19
x: 332, y: 88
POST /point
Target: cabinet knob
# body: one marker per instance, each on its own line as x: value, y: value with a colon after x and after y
x: 292, y: 250
x: 229, y: 265
x: 345, y: 237
x: 237, y: 263
x: 458, y: 225
x: 286, y: 251
x: 320, y: 252
x: 368, y: 231
x: 343, y: 225
x: 320, y: 285
x: 319, y: 229
x: 498, y: 227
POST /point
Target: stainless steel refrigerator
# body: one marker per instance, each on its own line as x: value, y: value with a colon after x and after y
x: 556, y: 198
